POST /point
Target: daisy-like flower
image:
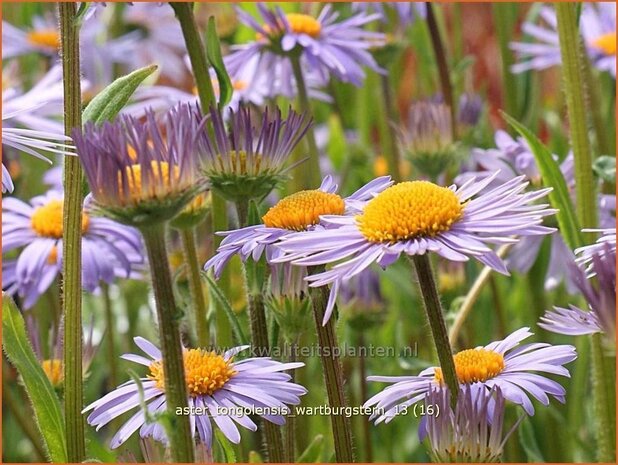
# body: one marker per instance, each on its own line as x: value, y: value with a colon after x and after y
x: 43, y: 37
x: 7, y: 182
x: 246, y: 161
x: 513, y: 157
x: 140, y: 172
x: 30, y: 121
x: 109, y: 250
x: 326, y: 47
x: 499, y: 364
x: 601, y: 299
x: 472, y: 433
x: 220, y: 389
x: 300, y: 211
x: 605, y: 243
x: 406, y: 12
x: 416, y: 217
x: 598, y: 28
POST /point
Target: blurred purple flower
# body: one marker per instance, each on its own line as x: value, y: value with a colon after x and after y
x: 109, y: 250
x: 233, y: 387
x: 326, y: 47
x: 497, y: 365
x: 406, y: 12
x: 598, y: 29
x: 413, y: 218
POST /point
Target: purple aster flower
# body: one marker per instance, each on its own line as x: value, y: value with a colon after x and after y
x: 300, y: 211
x: 362, y: 300
x: 142, y: 172
x: 406, y: 12
x: 220, y: 390
x: 607, y: 242
x: 30, y: 120
x: 513, y: 157
x: 246, y: 161
x: 601, y: 299
x: 36, y: 228
x: 326, y: 47
x: 7, y: 182
x: 413, y: 218
x: 497, y: 365
x: 470, y: 433
x: 598, y: 29
x: 42, y: 37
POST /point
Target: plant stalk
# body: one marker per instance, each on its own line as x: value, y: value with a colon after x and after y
x: 433, y: 309
x: 333, y: 376
x: 200, y: 310
x: 443, y: 72
x: 308, y: 176
x: 72, y: 241
x: 181, y: 442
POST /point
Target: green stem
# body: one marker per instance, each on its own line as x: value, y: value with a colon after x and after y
x: 472, y: 296
x: 443, y: 71
x: 308, y: 176
x: 197, y: 54
x: 574, y: 91
x: 585, y: 192
x: 603, y: 137
x: 390, y: 144
x: 72, y: 243
x: 260, y: 344
x: 110, y: 323
x: 200, y: 310
x: 606, y: 445
x: 333, y: 375
x: 433, y: 308
x: 181, y: 442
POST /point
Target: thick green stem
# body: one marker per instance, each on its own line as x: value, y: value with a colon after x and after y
x: 574, y: 92
x: 443, y: 71
x: 309, y: 176
x: 200, y: 310
x: 110, y: 324
x: 72, y: 240
x: 333, y: 376
x: 197, y: 54
x: 181, y: 442
x: 585, y: 192
x: 433, y: 309
x: 260, y: 344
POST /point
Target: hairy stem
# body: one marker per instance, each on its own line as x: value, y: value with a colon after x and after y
x: 309, y: 176
x: 333, y: 376
x: 433, y: 309
x: 200, y: 310
x: 181, y: 442
x: 72, y: 241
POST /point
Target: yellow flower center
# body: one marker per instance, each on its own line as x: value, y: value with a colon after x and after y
x: 53, y: 370
x: 46, y: 220
x: 158, y: 181
x: 606, y: 43
x: 408, y: 210
x: 475, y: 365
x: 45, y: 38
x: 299, y: 24
x: 205, y: 372
x: 302, y: 209
x: 236, y: 162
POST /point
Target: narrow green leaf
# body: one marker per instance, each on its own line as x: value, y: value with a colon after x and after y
x: 228, y: 451
x: 219, y: 296
x: 213, y: 51
x: 45, y: 403
x: 552, y: 177
x: 313, y: 452
x: 108, y: 103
